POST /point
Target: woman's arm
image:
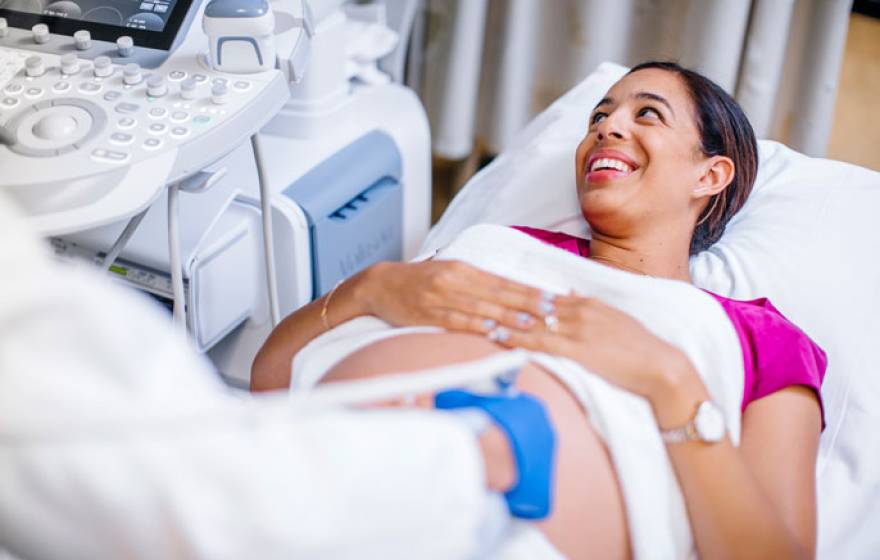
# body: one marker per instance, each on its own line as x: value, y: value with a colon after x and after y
x: 758, y: 500
x: 448, y: 294
x: 271, y: 367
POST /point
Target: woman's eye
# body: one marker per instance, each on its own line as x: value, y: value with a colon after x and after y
x: 598, y: 117
x: 649, y: 111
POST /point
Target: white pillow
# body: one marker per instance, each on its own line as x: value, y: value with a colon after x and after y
x: 807, y: 239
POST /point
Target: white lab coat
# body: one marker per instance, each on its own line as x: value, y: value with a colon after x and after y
x: 117, y: 441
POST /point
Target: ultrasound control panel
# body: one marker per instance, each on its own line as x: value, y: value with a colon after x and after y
x: 149, y: 15
x: 77, y: 113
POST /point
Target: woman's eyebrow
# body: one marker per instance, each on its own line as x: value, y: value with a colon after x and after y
x: 605, y: 101
x: 654, y: 97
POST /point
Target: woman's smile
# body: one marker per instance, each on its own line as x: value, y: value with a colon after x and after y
x: 606, y: 165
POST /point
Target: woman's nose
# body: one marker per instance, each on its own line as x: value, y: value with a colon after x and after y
x: 610, y: 127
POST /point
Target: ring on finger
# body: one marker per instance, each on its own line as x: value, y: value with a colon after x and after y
x: 551, y: 323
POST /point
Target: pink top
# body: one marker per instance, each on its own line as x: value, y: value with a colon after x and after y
x: 776, y: 354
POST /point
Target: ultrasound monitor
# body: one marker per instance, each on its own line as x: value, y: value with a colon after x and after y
x: 152, y: 24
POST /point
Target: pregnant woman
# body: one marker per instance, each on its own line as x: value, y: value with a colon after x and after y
x: 667, y: 160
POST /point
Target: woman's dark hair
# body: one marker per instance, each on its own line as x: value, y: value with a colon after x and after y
x: 724, y: 130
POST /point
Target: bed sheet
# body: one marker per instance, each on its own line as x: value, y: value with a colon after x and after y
x: 807, y: 239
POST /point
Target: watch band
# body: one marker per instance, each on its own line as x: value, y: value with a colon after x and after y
x: 706, y: 425
x: 688, y: 432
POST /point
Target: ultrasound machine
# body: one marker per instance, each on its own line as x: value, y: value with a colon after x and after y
x: 217, y: 156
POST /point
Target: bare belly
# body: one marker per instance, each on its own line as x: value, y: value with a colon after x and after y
x: 588, y: 519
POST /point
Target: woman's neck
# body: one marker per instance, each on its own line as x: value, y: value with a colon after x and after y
x: 663, y: 259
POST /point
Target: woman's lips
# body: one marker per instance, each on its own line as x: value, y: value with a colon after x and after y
x: 609, y: 165
x: 605, y: 175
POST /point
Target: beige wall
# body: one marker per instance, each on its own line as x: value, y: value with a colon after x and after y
x: 855, y: 136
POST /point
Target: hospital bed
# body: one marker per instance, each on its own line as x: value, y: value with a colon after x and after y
x: 805, y: 239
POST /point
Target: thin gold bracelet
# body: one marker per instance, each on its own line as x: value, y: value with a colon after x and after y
x: 326, y: 305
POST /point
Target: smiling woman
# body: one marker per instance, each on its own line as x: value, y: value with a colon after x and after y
x: 667, y: 160
x: 662, y: 129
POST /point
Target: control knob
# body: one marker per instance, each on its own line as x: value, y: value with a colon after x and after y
x: 188, y: 88
x: 83, y: 40
x: 41, y: 33
x: 4, y: 27
x: 156, y: 86
x: 34, y: 67
x: 219, y: 94
x: 125, y: 46
x: 69, y: 64
x: 131, y: 74
x: 103, y: 67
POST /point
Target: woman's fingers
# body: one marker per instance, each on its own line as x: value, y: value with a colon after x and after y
x: 455, y: 320
x: 537, y: 340
x: 500, y: 314
x: 487, y: 287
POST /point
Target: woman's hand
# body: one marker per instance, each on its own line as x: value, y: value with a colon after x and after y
x: 449, y: 294
x: 608, y: 342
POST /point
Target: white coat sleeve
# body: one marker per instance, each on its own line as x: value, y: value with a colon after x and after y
x: 118, y: 441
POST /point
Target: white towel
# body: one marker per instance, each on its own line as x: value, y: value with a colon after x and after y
x: 675, y: 311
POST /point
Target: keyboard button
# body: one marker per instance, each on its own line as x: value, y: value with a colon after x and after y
x: 9, y: 102
x: 152, y: 143
x: 112, y: 95
x: 242, y: 85
x: 176, y: 75
x: 126, y: 123
x: 127, y: 108
x: 13, y: 89
x: 90, y: 88
x: 34, y: 92
x: 158, y: 112
x: 158, y: 128
x: 121, y: 138
x: 179, y: 116
x: 61, y: 87
x: 179, y: 132
x: 110, y: 156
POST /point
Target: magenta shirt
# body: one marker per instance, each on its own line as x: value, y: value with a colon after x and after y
x: 776, y: 354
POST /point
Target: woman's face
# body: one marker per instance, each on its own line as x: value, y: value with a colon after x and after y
x: 640, y: 160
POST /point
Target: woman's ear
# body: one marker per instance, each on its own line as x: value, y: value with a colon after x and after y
x: 717, y: 175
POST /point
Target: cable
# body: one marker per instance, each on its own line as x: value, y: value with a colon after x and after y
x: 121, y: 241
x: 174, y: 253
x: 268, y: 240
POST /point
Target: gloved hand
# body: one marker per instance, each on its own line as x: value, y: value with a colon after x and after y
x: 532, y: 439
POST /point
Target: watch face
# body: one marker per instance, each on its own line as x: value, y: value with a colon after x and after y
x: 709, y: 422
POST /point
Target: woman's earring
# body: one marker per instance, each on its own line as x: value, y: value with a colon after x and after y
x: 711, y: 210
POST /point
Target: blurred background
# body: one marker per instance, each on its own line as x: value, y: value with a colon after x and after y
x: 807, y: 72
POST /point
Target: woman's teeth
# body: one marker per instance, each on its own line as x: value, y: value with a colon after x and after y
x: 608, y: 163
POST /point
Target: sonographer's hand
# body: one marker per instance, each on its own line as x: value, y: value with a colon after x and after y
x: 449, y: 294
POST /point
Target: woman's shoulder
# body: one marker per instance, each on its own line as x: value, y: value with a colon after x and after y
x: 770, y: 331
x: 778, y: 352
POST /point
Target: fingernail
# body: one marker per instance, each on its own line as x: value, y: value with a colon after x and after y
x: 499, y: 334
x: 489, y: 324
x: 524, y: 319
x: 548, y: 308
